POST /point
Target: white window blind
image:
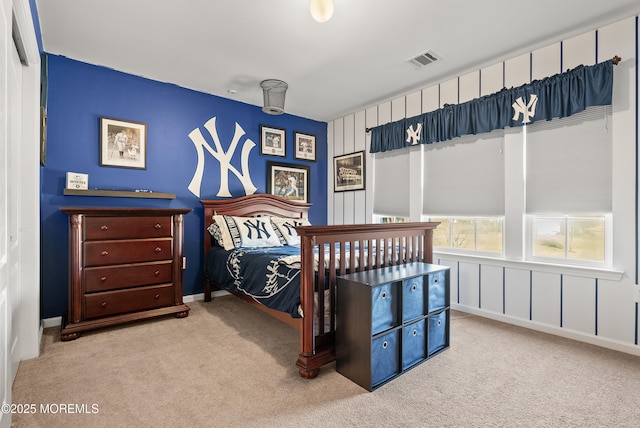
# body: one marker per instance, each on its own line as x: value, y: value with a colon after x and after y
x: 569, y: 162
x: 391, y: 183
x: 465, y: 176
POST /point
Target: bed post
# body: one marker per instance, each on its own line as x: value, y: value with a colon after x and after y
x: 307, y: 336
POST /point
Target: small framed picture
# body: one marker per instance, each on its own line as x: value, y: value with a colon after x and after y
x: 348, y: 172
x: 123, y: 143
x: 304, y: 146
x: 272, y: 141
x: 289, y: 181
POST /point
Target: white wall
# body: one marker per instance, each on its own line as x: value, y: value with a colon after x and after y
x: 595, y: 306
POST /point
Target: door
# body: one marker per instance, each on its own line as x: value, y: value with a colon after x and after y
x: 5, y: 328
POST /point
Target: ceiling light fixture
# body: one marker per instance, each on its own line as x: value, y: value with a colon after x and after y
x: 321, y: 10
x: 273, y: 91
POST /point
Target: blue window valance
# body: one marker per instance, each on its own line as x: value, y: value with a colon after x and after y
x: 557, y: 96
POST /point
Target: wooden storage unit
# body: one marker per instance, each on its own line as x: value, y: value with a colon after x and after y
x: 389, y: 320
x: 125, y: 264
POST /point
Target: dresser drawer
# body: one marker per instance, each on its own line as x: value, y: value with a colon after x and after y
x: 122, y: 301
x: 96, y: 228
x: 100, y: 253
x: 123, y: 276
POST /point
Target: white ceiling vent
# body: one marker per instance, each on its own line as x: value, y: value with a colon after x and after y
x: 423, y: 59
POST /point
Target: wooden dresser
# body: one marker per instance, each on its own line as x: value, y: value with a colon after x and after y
x: 125, y: 264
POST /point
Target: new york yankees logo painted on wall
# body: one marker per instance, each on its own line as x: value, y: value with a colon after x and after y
x: 224, y: 158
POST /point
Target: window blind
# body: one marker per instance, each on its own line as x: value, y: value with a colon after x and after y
x: 391, y: 183
x: 569, y: 164
x: 465, y: 176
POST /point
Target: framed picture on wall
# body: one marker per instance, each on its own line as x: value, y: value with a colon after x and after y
x: 272, y: 141
x: 289, y: 181
x: 123, y: 143
x: 304, y: 146
x: 348, y: 172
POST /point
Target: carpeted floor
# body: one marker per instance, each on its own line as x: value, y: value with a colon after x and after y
x: 229, y: 365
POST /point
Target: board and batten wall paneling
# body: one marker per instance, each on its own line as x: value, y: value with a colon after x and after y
x: 579, y: 50
x: 371, y: 118
x: 517, y: 296
x: 492, y: 288
x: 348, y: 198
x: 617, y: 315
x: 492, y: 79
x: 517, y: 71
x: 590, y: 306
x: 546, y: 295
x: 338, y: 200
x: 331, y: 150
x: 360, y: 144
x: 546, y: 62
x: 469, y: 87
x: 449, y: 92
x: 453, y: 277
x: 469, y: 284
x: 431, y: 99
x: 579, y: 294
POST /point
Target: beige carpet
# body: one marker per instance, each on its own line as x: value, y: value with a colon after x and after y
x: 229, y: 365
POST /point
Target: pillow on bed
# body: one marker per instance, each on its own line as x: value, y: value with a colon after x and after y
x: 286, y: 229
x: 238, y: 232
x: 216, y: 233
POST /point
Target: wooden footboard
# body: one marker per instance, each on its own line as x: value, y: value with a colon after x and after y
x: 339, y: 248
x: 377, y: 245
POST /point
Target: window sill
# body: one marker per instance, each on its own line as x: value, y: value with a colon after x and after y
x: 580, y: 271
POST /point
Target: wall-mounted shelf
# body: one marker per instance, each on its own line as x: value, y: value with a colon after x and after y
x: 119, y: 194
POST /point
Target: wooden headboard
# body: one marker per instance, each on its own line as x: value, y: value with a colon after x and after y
x: 254, y: 205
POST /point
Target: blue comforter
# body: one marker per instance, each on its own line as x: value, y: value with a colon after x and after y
x: 270, y: 275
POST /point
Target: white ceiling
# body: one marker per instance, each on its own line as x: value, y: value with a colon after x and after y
x: 355, y: 60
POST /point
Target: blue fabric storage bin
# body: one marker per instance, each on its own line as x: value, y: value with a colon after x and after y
x: 385, y: 356
x: 437, y: 335
x: 437, y: 294
x: 413, y: 304
x: 384, y: 307
x: 414, y: 344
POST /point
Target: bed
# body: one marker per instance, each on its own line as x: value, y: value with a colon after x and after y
x: 331, y: 250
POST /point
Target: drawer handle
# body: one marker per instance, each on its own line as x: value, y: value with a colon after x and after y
x: 415, y: 332
x: 439, y: 322
x: 384, y: 345
x: 158, y: 249
x: 384, y: 295
x: 103, y: 279
x: 157, y: 296
x: 435, y: 280
x: 158, y: 226
x: 156, y: 273
x: 103, y: 304
x: 104, y: 253
x: 414, y: 287
x: 104, y: 227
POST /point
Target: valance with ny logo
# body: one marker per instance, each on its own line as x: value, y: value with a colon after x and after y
x: 556, y: 96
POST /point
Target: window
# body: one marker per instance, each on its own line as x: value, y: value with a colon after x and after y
x: 568, y: 179
x: 573, y: 239
x: 477, y: 234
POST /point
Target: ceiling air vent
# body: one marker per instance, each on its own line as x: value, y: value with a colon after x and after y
x: 424, y: 59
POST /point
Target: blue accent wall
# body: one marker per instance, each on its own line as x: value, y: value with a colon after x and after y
x: 79, y: 94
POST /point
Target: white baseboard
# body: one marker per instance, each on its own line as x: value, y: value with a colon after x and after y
x: 628, y: 348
